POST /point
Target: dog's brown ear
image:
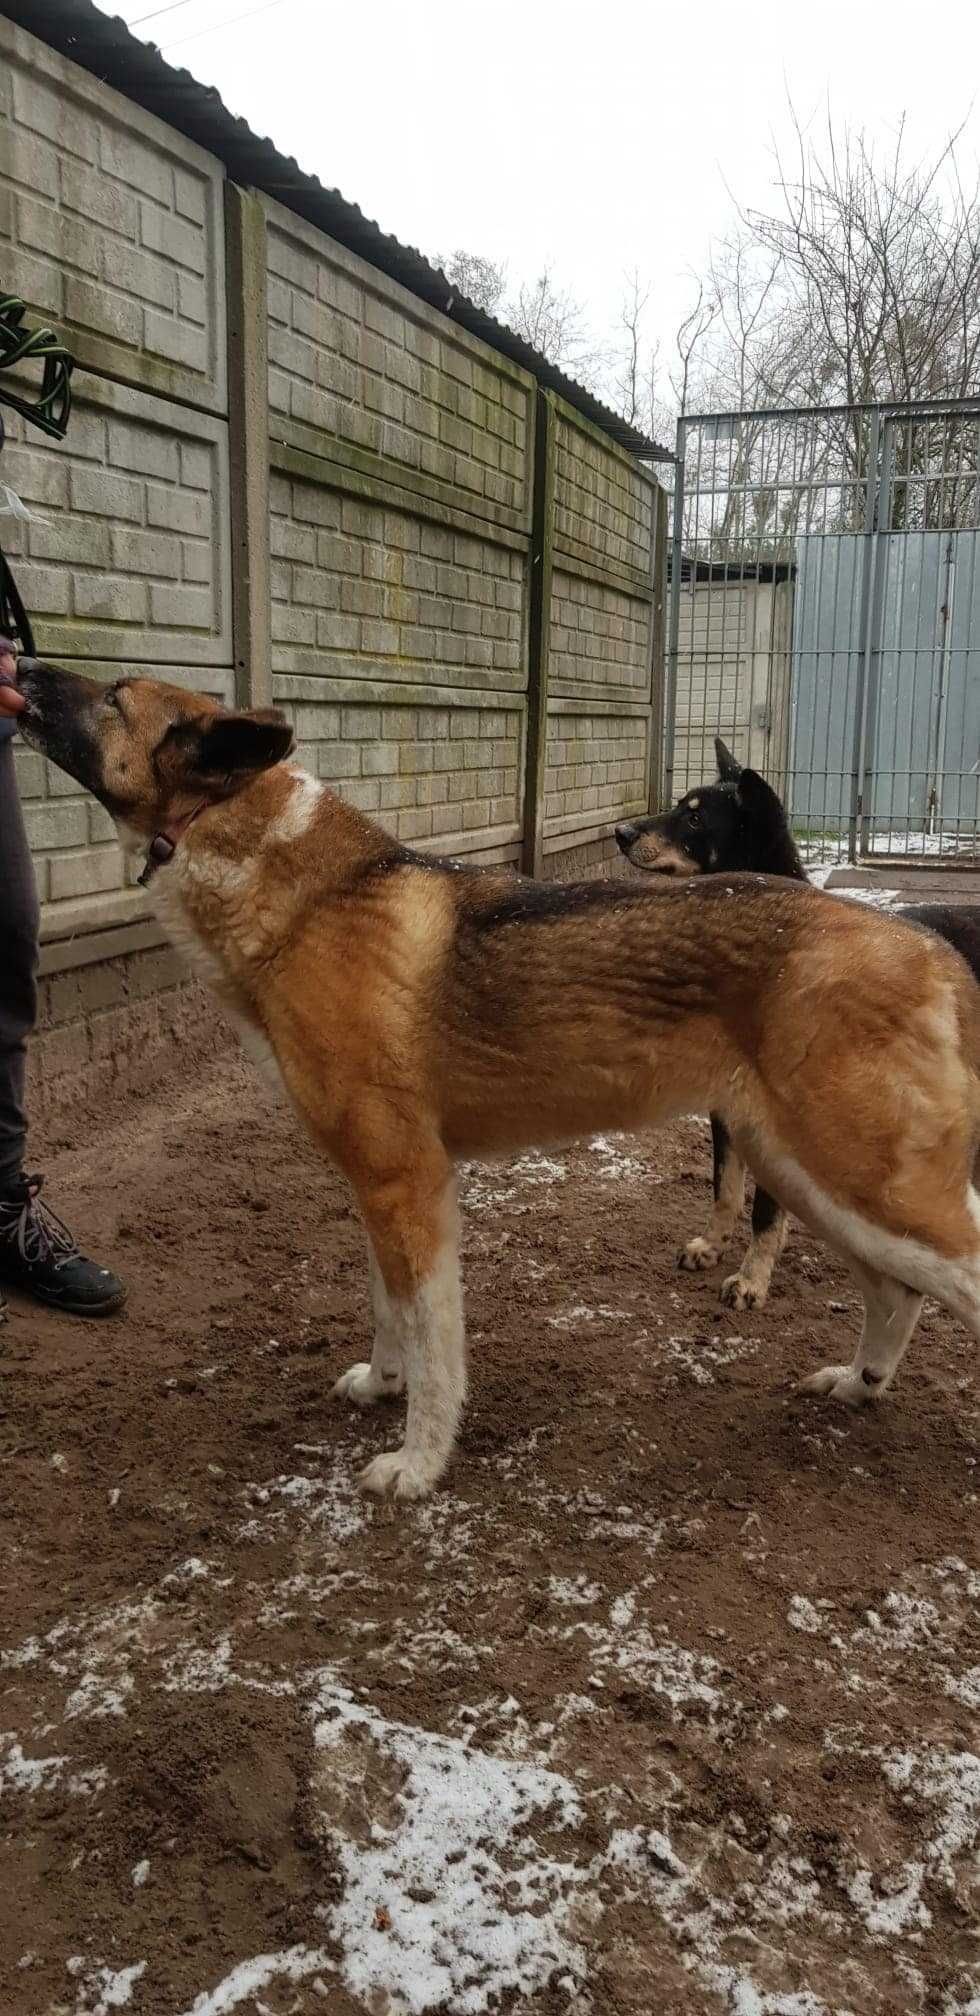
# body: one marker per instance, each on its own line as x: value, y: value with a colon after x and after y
x: 235, y: 745
x: 728, y: 769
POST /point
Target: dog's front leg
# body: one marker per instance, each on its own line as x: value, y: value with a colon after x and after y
x: 728, y: 1178
x: 384, y: 1377
x: 413, y: 1228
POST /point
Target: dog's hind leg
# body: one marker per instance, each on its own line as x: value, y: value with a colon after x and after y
x: 749, y: 1287
x: 891, y: 1312
x: 413, y: 1227
x: 728, y: 1178
x: 384, y: 1377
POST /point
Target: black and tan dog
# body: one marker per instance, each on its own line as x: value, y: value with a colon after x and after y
x: 737, y: 824
x: 418, y: 1013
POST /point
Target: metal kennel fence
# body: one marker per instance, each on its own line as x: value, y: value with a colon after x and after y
x: 824, y: 618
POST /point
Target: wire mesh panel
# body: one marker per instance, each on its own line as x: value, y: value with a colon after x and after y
x: 922, y: 785
x: 825, y: 620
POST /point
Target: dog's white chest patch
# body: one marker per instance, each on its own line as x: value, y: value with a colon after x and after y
x: 299, y: 811
x: 207, y: 967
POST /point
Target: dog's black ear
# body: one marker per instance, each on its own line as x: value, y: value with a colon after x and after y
x: 231, y: 745
x: 759, y: 797
x: 728, y: 770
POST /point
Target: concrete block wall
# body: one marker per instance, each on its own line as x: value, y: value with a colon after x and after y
x: 111, y: 227
x: 601, y: 674
x: 600, y: 637
x: 358, y: 589
x: 734, y: 642
x: 595, y: 763
x: 603, y: 502
x: 354, y: 357
x: 287, y: 478
x: 400, y: 503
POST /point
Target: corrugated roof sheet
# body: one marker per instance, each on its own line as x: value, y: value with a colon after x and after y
x: 104, y: 46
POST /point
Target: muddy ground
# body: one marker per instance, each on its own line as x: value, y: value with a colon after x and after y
x: 667, y: 1702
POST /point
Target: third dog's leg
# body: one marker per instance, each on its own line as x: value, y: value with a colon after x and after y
x: 749, y: 1287
x: 728, y: 1176
x: 384, y: 1378
x: 891, y: 1312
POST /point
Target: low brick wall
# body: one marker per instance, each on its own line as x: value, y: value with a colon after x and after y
x: 115, y: 1025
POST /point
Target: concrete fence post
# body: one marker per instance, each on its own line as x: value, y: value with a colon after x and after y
x: 658, y: 650
x: 539, y: 632
x: 248, y: 430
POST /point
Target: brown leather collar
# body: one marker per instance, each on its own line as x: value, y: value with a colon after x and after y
x: 163, y: 845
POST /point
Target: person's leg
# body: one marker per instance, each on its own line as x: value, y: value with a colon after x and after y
x: 37, y: 1252
x: 18, y: 968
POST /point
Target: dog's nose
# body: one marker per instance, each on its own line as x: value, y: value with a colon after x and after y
x: 625, y: 835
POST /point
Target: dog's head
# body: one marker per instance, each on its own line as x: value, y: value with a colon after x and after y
x: 149, y: 752
x: 734, y: 825
x: 701, y: 834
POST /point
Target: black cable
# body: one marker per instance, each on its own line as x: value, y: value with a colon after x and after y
x: 49, y: 410
x: 15, y: 624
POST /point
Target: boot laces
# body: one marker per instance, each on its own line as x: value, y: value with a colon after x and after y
x: 39, y: 1235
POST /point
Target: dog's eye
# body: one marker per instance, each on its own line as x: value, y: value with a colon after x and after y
x: 694, y: 819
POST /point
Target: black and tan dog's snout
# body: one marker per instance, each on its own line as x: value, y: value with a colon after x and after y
x: 626, y: 834
x: 59, y: 719
x: 42, y: 683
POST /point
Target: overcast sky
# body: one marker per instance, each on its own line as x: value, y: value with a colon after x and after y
x: 595, y: 138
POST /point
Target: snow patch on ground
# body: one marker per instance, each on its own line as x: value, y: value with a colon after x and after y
x: 496, y: 1185
x: 450, y: 1903
x: 614, y: 1164
x: 101, y: 1988
x: 250, y: 1977
x: 327, y: 1500
x: 19, y: 1773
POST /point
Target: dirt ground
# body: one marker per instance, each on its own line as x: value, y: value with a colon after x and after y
x: 666, y: 1703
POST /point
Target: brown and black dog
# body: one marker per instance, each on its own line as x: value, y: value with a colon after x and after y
x: 733, y: 825
x: 418, y: 1013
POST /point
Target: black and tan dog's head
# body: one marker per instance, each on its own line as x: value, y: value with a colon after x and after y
x: 146, y: 750
x: 733, y: 825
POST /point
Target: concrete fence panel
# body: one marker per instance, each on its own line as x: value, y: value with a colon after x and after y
x: 289, y: 478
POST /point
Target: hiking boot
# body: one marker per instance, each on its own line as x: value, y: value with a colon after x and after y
x: 38, y: 1254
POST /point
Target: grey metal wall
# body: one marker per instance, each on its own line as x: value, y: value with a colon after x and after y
x: 924, y: 708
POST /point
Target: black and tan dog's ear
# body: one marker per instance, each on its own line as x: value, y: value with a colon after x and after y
x: 235, y: 745
x: 759, y: 798
x: 728, y: 770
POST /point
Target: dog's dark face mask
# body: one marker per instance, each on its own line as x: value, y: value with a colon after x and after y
x: 144, y: 748
x: 703, y: 832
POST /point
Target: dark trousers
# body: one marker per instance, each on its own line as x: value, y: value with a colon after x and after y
x: 18, y: 966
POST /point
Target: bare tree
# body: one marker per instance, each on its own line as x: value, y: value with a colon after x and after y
x: 482, y: 280
x: 553, y: 321
x: 860, y: 285
x: 547, y: 315
x: 883, y: 257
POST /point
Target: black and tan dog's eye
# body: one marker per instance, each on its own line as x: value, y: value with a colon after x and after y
x: 694, y: 819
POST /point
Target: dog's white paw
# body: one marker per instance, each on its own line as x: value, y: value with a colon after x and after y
x: 397, y: 1475
x: 699, y: 1254
x: 841, y: 1382
x: 742, y: 1293
x: 363, y: 1386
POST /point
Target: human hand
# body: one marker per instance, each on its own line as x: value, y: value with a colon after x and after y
x: 11, y: 701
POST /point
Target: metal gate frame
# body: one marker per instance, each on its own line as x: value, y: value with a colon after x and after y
x: 879, y: 483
